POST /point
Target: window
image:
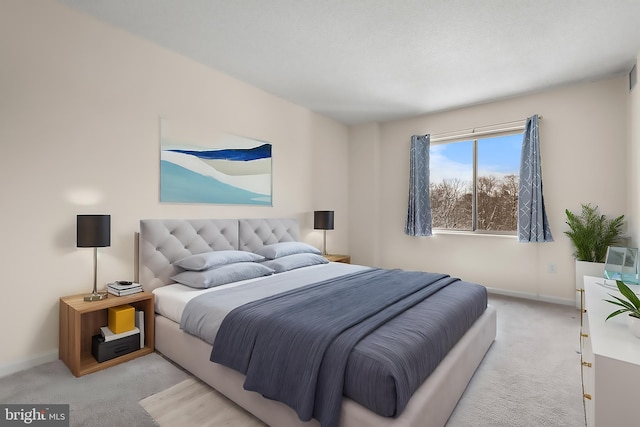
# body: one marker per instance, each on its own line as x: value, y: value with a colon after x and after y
x: 474, y: 184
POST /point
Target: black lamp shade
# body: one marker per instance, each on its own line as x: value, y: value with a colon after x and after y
x: 323, y: 220
x: 94, y: 231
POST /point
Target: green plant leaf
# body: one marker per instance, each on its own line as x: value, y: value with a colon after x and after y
x: 629, y: 294
x: 630, y: 305
x: 622, y: 303
x: 615, y: 313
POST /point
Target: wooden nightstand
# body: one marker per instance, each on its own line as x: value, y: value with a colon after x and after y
x: 80, y: 320
x: 339, y: 258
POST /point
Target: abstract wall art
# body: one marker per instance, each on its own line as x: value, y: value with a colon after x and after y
x: 222, y: 169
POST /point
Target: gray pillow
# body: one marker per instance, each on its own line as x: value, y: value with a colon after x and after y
x: 281, y: 249
x: 207, y: 260
x: 294, y: 261
x: 222, y: 275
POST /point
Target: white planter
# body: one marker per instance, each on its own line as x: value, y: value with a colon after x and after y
x: 586, y: 268
x: 634, y: 325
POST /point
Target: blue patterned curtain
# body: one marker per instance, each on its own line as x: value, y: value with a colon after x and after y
x: 419, y: 211
x: 533, y: 225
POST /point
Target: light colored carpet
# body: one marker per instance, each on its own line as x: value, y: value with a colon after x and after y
x: 103, y: 399
x: 531, y: 375
x: 529, y: 378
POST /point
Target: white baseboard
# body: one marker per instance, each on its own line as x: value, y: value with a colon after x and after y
x: 23, y: 364
x: 526, y: 295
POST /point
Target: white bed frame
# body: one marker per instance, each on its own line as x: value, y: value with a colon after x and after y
x: 430, y: 406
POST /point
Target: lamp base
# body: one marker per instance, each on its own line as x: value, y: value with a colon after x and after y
x: 95, y: 297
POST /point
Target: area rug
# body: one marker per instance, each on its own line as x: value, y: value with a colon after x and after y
x: 192, y: 403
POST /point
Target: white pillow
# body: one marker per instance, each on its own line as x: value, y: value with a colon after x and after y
x: 206, y: 260
x: 222, y: 275
x: 281, y: 249
x: 294, y: 261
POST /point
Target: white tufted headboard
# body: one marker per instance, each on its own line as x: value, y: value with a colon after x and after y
x: 165, y: 241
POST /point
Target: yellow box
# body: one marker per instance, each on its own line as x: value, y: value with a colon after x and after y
x: 122, y: 318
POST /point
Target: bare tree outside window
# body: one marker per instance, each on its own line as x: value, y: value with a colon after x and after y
x: 451, y: 204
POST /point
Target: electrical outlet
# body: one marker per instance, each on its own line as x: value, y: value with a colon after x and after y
x: 552, y: 268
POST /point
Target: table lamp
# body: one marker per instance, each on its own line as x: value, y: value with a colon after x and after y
x: 323, y: 220
x: 94, y: 231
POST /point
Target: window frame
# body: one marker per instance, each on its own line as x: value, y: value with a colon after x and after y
x: 474, y: 199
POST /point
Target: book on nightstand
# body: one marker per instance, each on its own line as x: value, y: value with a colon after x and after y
x: 123, y: 293
x: 120, y: 290
x: 123, y: 286
x: 140, y: 325
x: 108, y: 335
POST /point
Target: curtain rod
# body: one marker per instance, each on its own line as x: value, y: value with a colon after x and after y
x: 463, y: 133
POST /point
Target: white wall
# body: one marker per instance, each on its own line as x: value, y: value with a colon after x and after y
x: 584, y: 146
x: 364, y: 189
x: 79, y: 128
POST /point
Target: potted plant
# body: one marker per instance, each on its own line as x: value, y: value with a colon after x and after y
x: 591, y: 234
x: 631, y: 305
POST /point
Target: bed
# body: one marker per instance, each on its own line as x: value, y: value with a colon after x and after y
x: 162, y: 243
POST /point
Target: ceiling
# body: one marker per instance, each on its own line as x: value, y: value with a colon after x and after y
x: 377, y: 60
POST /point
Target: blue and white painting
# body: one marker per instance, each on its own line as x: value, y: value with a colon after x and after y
x: 230, y: 170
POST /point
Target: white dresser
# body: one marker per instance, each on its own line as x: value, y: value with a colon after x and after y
x: 610, y: 361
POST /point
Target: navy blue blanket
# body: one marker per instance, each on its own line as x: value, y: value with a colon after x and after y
x: 293, y: 347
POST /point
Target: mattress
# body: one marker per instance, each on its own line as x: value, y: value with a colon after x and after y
x: 432, y: 327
